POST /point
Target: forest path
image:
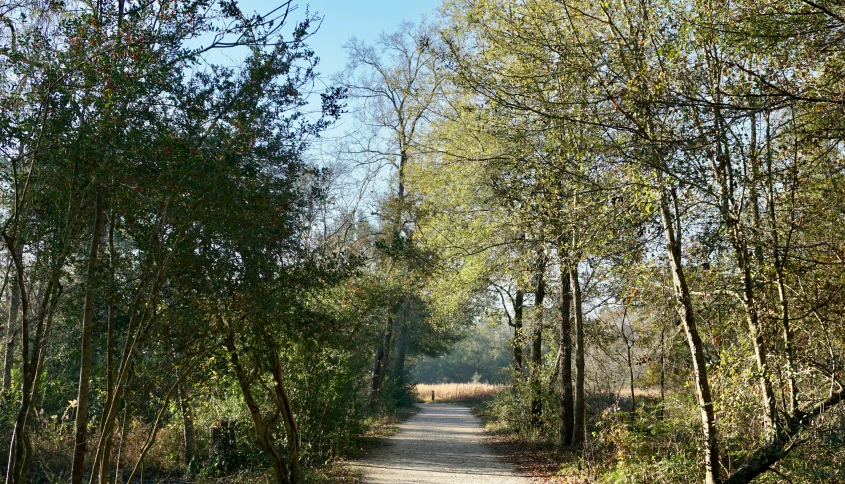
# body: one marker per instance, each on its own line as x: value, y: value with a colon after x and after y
x: 441, y: 444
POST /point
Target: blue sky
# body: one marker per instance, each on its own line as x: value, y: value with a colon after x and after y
x: 364, y: 19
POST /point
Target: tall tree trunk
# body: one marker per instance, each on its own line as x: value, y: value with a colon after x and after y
x: 80, y: 443
x: 779, y: 251
x: 518, y: 341
x: 102, y: 458
x: 10, y: 338
x: 401, y: 349
x: 14, y: 471
x: 188, y: 432
x: 671, y: 229
x: 42, y: 335
x: 753, y: 192
x: 565, y: 371
x: 731, y: 211
x: 631, y: 381
x: 537, y: 348
x: 752, y: 317
x: 118, y: 472
x: 141, y: 313
x: 579, y: 433
x: 32, y: 360
x: 663, y: 372
x: 629, y: 358
x: 380, y: 363
x: 788, y: 341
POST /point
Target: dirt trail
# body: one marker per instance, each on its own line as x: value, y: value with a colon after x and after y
x: 442, y: 444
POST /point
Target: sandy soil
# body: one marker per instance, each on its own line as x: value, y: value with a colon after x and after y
x: 442, y: 444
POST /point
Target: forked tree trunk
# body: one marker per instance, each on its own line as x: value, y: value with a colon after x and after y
x: 141, y: 313
x: 39, y: 356
x: 752, y: 317
x: 772, y: 451
x: 263, y: 433
x: 288, y: 419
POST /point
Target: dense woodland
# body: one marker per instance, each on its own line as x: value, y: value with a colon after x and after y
x: 646, y: 199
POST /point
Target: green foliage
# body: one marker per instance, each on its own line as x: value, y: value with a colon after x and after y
x: 483, y: 355
x: 643, y: 447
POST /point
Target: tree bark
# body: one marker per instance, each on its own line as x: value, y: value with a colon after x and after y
x: 118, y: 476
x: 518, y: 341
x: 10, y: 338
x: 752, y: 316
x: 32, y: 360
x: 42, y: 335
x: 188, y: 432
x: 401, y: 349
x: 141, y: 313
x: 779, y: 253
x: 380, y: 363
x: 579, y: 433
x: 565, y: 369
x: 730, y: 210
x: 683, y: 299
x: 537, y: 348
x: 14, y: 469
x: 288, y: 419
x: 263, y: 436
x: 663, y: 372
x: 106, y: 425
x: 629, y: 358
x: 80, y: 443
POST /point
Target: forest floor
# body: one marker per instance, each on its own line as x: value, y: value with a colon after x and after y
x: 442, y: 443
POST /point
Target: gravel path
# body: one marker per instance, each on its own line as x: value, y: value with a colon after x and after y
x: 441, y: 444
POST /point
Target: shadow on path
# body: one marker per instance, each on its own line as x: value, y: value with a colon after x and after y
x: 441, y: 444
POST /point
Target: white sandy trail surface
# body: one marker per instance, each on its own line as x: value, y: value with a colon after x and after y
x: 442, y: 444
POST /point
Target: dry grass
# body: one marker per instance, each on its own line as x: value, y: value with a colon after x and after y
x: 456, y: 392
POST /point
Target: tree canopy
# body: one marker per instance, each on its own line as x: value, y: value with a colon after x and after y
x: 627, y: 213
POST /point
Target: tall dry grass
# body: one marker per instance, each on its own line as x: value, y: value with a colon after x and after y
x: 456, y: 392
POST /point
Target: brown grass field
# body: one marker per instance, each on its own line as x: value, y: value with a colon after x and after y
x: 456, y: 392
